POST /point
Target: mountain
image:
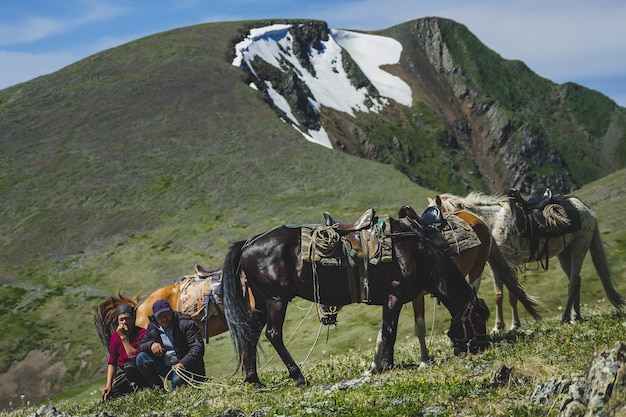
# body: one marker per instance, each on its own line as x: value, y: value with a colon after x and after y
x: 472, y: 120
x: 123, y: 170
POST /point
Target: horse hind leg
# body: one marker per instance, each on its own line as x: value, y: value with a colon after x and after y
x: 572, y: 268
x: 497, y: 295
x: 258, y: 319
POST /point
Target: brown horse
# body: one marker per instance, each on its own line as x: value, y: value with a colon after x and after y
x: 209, y: 315
x: 275, y: 271
x: 471, y: 263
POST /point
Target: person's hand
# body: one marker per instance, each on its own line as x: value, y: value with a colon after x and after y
x: 122, y: 330
x: 157, y: 349
x: 178, y: 365
x: 106, y: 389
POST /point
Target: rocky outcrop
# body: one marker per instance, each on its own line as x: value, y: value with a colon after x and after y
x: 593, y: 394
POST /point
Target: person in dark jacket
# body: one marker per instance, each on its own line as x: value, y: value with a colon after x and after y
x: 172, y: 343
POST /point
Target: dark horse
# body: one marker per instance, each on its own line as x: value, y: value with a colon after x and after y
x: 271, y: 265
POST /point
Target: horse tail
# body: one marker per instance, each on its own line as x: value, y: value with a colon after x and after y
x: 104, y: 318
x: 505, y: 272
x: 235, y: 306
x: 601, y: 262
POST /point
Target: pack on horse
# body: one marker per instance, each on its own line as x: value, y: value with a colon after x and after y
x: 378, y: 261
x: 471, y: 247
x: 536, y: 230
x: 197, y: 295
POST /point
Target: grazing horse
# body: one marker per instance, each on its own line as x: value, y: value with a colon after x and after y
x: 209, y: 316
x: 471, y: 263
x: 273, y: 268
x: 570, y: 248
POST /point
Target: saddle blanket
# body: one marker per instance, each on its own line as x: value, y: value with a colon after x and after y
x: 459, y: 235
x: 194, y: 291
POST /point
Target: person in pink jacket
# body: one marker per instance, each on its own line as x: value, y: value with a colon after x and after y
x: 123, y: 377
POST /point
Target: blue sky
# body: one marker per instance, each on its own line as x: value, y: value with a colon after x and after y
x: 562, y: 40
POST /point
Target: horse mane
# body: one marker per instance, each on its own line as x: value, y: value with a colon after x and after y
x: 431, y: 253
x: 104, y: 317
x: 450, y: 202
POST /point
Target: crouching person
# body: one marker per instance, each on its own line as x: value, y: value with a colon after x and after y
x: 172, y: 343
x: 123, y: 377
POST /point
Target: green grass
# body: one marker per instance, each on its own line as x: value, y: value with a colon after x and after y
x: 450, y: 386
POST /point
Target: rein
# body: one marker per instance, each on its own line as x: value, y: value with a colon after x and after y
x: 211, y: 300
x: 463, y: 316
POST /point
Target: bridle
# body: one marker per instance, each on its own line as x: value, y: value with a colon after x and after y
x: 464, y: 317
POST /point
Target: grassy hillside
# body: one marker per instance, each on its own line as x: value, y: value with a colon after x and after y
x: 478, y: 385
x: 124, y: 183
x: 122, y: 171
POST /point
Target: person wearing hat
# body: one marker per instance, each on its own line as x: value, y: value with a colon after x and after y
x: 172, y: 346
x: 123, y: 377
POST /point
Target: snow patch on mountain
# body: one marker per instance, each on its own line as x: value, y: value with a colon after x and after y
x: 328, y: 83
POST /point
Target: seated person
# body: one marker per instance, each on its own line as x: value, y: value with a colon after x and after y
x: 123, y: 377
x: 172, y: 342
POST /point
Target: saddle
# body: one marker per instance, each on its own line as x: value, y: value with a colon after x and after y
x: 458, y: 236
x: 543, y: 215
x: 196, y: 289
x: 363, y: 222
x: 431, y: 217
x: 353, y: 246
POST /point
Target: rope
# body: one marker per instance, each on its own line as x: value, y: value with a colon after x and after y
x: 190, y: 378
x: 290, y: 337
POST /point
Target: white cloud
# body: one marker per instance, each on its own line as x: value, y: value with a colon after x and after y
x: 35, y: 27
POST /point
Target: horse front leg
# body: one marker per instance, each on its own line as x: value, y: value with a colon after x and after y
x: 274, y: 333
x: 389, y: 330
x: 420, y: 328
x: 497, y: 295
x: 420, y: 332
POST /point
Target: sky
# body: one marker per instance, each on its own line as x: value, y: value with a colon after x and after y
x: 561, y: 40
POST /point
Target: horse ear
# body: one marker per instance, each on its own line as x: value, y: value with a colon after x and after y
x: 438, y: 200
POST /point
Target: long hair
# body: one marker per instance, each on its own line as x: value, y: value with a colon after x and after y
x: 105, y: 318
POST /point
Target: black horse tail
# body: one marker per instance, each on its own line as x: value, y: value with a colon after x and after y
x: 505, y: 272
x: 235, y: 305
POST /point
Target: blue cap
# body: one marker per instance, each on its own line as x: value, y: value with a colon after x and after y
x: 160, y: 306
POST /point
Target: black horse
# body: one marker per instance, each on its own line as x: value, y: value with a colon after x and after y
x: 271, y: 264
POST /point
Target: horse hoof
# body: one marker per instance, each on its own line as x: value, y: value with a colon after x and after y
x: 300, y: 381
x: 460, y: 349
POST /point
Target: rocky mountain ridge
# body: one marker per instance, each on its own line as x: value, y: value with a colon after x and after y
x: 477, y: 121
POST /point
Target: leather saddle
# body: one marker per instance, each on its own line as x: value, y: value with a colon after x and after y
x: 363, y: 222
x: 431, y: 217
x: 361, y: 234
x: 535, y: 218
x: 366, y: 237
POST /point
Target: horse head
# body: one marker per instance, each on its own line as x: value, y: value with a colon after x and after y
x: 468, y: 328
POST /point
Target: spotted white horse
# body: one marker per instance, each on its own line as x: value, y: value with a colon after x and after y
x: 570, y: 249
